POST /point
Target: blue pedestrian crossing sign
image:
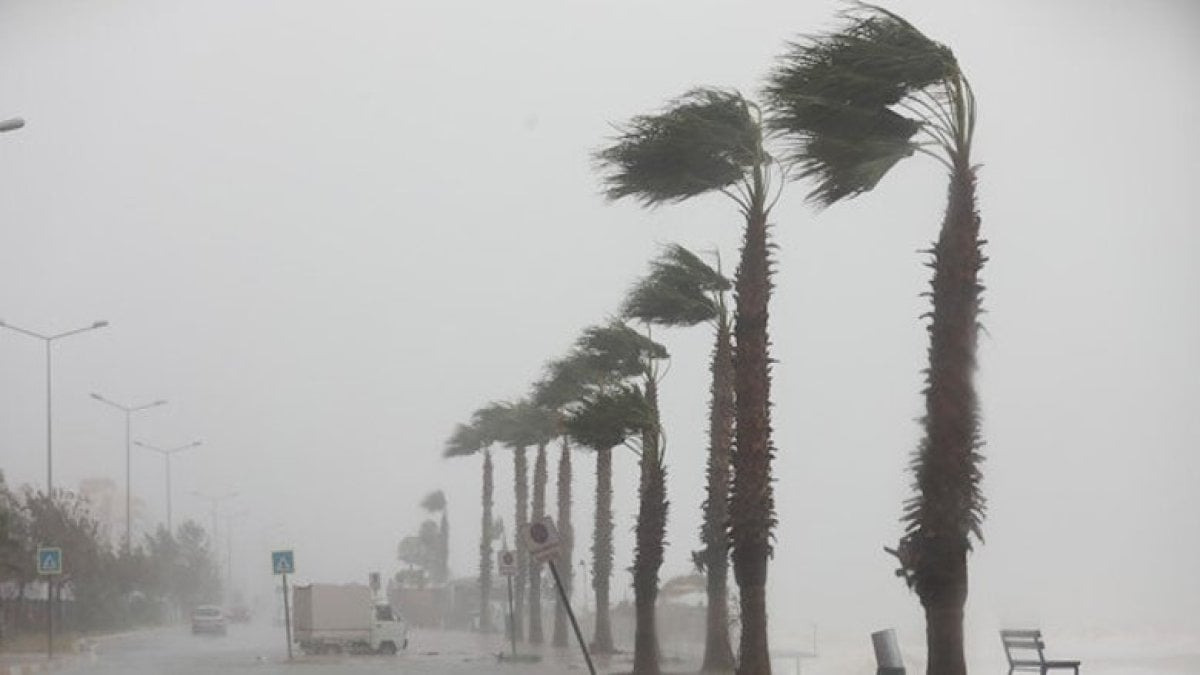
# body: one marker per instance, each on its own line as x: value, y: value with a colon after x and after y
x: 49, y: 560
x: 282, y: 562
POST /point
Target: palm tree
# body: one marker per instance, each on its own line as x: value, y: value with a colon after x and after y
x: 605, y: 420
x: 856, y: 102
x: 501, y: 423
x: 564, y: 385
x: 623, y: 350
x: 712, y: 140
x: 585, y: 387
x: 521, y: 425
x: 682, y: 290
x: 435, y: 502
x: 541, y: 425
x: 467, y: 439
x: 567, y: 533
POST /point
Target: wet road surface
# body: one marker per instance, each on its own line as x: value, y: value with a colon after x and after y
x: 261, y: 650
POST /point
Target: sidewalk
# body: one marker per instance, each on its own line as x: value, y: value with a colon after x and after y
x: 23, y: 664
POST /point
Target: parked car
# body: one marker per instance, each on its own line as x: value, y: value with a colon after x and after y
x: 208, y: 619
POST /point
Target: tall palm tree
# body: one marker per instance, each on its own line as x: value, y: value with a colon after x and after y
x: 467, y: 439
x: 856, y: 102
x: 564, y: 385
x: 626, y: 351
x: 502, y: 423
x: 566, y: 532
x: 682, y: 290
x: 521, y: 425
x: 605, y: 420
x: 585, y: 387
x: 435, y: 503
x: 541, y: 425
x: 712, y: 141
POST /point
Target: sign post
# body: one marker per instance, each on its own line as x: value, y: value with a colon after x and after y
x: 49, y: 564
x: 507, y: 566
x: 543, y: 542
x: 284, y: 563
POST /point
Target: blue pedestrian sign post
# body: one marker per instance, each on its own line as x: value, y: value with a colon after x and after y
x: 49, y: 564
x: 49, y: 560
x: 284, y: 563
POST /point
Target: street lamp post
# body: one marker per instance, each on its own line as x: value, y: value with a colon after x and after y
x: 128, y: 410
x: 229, y: 548
x: 215, y: 502
x: 49, y: 340
x: 166, y: 453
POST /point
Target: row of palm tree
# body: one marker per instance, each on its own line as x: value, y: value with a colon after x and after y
x: 839, y: 110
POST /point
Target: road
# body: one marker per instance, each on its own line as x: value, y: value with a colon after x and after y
x: 261, y: 650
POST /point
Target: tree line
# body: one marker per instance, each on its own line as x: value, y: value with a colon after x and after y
x: 107, y: 587
x: 838, y: 111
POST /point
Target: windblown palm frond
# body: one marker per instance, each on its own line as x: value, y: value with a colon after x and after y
x: 465, y: 440
x: 531, y: 424
x: 705, y: 140
x: 493, y: 423
x: 854, y: 101
x: 567, y: 380
x: 617, y: 349
x: 680, y: 290
x: 606, y: 419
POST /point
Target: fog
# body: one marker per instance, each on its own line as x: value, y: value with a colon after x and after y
x: 327, y: 232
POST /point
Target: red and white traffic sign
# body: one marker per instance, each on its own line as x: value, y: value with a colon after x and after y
x: 506, y: 563
x: 542, y: 540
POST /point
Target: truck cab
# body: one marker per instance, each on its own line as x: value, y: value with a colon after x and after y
x: 389, y: 633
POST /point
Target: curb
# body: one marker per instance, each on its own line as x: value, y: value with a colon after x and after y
x: 32, y: 667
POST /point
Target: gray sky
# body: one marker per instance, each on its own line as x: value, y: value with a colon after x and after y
x: 328, y: 231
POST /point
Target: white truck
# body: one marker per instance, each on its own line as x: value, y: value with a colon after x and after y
x: 345, y: 618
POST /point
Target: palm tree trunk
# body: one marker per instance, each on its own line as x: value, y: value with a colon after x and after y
x: 651, y: 533
x: 944, y: 632
x: 535, y: 568
x: 521, y: 491
x: 485, y: 548
x: 568, y: 542
x: 718, y: 652
x: 602, y: 551
x: 752, y: 508
x: 948, y: 502
x: 444, y: 547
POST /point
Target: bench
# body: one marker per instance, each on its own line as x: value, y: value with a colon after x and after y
x: 1020, y: 647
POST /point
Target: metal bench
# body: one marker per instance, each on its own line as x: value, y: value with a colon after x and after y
x: 1020, y: 647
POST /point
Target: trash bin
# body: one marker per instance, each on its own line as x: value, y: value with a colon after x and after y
x: 887, y: 653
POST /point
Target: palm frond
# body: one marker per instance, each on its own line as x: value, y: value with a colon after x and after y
x: 678, y: 291
x: 703, y: 141
x: 567, y: 380
x: 605, y: 419
x: 618, y: 350
x: 839, y: 97
x: 465, y: 440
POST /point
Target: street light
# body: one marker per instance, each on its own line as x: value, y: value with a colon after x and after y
x: 49, y: 339
x: 11, y: 124
x: 128, y: 410
x: 229, y: 549
x: 215, y: 501
x: 166, y: 453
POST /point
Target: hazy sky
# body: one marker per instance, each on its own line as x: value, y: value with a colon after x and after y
x: 328, y: 231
